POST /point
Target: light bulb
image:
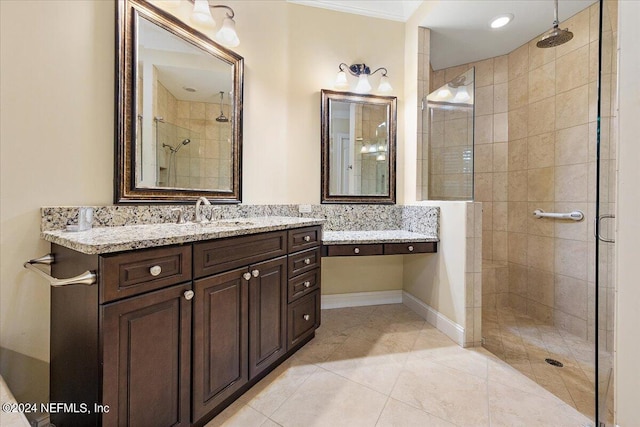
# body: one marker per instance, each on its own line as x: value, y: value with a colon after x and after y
x: 372, y: 148
x: 363, y: 149
x: 201, y: 14
x: 385, y: 86
x: 341, y: 81
x: 227, y: 34
x: 444, y: 93
x: 381, y: 158
x: 363, y: 85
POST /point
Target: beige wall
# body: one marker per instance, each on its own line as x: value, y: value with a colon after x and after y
x: 627, y: 371
x: 343, y: 275
x: 58, y: 115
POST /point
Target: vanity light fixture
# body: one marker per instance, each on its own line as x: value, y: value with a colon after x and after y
x: 201, y: 15
x: 362, y: 72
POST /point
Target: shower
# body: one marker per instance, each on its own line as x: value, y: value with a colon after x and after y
x: 221, y: 118
x: 555, y: 36
x: 172, y: 163
x: 178, y: 147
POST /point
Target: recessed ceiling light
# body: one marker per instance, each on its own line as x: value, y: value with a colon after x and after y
x: 501, y: 20
x: 189, y: 89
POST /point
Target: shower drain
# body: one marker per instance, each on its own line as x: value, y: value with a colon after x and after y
x: 554, y: 362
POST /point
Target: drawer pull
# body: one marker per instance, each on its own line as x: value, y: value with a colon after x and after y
x: 307, y: 284
x: 410, y: 248
x: 188, y: 295
x: 356, y: 250
x: 255, y: 273
x: 155, y: 270
x: 306, y: 317
x: 246, y: 276
x: 307, y: 238
x: 307, y: 261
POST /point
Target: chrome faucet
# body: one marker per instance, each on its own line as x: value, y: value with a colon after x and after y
x: 198, y: 216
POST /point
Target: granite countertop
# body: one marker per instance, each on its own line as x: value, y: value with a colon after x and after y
x: 374, y: 236
x: 102, y: 240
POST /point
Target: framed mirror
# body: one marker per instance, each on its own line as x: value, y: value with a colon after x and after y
x: 358, y: 138
x: 179, y: 111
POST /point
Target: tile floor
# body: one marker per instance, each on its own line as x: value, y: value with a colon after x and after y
x: 525, y: 343
x: 385, y: 366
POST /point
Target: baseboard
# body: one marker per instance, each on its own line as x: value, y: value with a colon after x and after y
x: 433, y: 317
x: 359, y: 299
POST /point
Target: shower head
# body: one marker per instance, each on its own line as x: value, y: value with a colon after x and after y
x: 177, y: 147
x: 186, y: 141
x: 221, y: 118
x: 556, y: 36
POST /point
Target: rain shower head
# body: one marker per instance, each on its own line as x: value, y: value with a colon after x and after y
x: 556, y: 36
x: 221, y: 118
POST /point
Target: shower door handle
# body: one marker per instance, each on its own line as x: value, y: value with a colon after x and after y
x: 597, y: 228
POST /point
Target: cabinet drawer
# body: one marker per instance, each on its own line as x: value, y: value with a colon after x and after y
x: 226, y: 254
x: 409, y: 248
x: 302, y: 262
x: 303, y: 318
x: 354, y: 250
x: 304, y: 238
x: 133, y: 273
x: 303, y: 284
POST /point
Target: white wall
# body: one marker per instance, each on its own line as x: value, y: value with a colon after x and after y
x: 627, y: 368
x: 57, y: 86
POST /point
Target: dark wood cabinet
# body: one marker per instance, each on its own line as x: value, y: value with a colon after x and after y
x: 147, y: 359
x: 220, y: 339
x: 267, y: 314
x: 170, y: 336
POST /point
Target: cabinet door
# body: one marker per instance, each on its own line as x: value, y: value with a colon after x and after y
x: 146, y: 359
x: 267, y: 314
x: 219, y: 339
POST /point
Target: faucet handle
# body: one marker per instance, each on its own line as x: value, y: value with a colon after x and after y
x: 181, y: 219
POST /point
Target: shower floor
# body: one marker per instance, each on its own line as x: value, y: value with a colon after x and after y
x: 525, y: 343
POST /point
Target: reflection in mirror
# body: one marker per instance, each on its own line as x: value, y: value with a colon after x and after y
x: 185, y: 110
x: 449, y: 118
x: 358, y: 148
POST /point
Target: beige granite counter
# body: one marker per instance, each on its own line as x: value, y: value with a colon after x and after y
x: 374, y: 236
x: 100, y: 240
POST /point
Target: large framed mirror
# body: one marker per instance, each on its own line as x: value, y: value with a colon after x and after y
x: 358, y: 138
x: 179, y: 111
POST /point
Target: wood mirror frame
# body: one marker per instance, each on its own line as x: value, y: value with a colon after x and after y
x: 126, y: 187
x: 390, y: 102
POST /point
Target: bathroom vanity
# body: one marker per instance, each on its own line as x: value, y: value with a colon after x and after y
x: 183, y: 319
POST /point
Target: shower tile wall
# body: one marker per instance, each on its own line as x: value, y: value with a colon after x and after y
x: 424, y: 77
x: 206, y: 161
x: 490, y: 168
x: 551, y: 166
x: 535, y: 139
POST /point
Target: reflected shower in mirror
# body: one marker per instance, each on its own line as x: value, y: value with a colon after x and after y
x: 185, y: 93
x: 449, y: 115
x: 358, y: 139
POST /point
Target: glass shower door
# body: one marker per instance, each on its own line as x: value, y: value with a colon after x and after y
x: 605, y: 213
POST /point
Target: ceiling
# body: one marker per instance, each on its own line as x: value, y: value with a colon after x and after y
x: 460, y: 31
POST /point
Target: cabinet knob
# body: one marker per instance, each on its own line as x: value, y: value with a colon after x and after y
x: 155, y: 270
x: 306, y: 317
x: 356, y: 250
x: 188, y: 295
x: 307, y: 238
x: 307, y: 261
x: 255, y: 273
x: 410, y: 248
x: 246, y: 276
x: 307, y: 284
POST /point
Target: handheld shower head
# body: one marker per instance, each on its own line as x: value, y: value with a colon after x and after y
x: 186, y: 141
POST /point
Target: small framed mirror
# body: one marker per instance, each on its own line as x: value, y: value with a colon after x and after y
x: 179, y: 111
x: 358, y: 139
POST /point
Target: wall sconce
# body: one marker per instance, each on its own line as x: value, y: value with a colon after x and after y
x: 362, y: 72
x: 201, y: 15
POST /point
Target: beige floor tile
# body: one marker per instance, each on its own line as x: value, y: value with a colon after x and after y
x: 324, y: 398
x: 238, y: 415
x: 447, y: 393
x: 398, y: 414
